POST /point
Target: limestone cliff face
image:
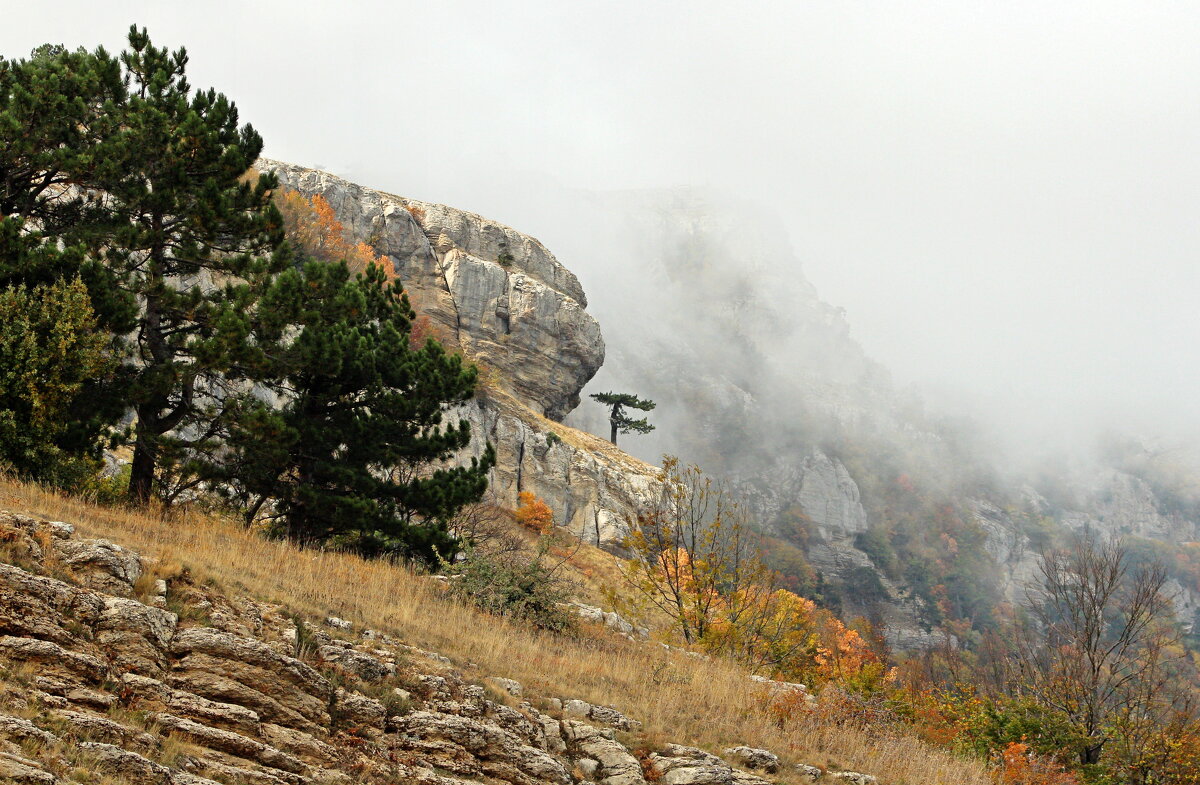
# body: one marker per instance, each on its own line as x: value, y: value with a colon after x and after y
x: 503, y: 299
x: 819, y: 486
x: 497, y: 294
x: 595, y: 490
x: 1121, y: 504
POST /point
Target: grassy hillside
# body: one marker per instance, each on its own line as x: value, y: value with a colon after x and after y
x: 679, y: 698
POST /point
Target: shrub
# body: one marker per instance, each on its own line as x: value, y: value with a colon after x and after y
x: 533, y: 513
x: 1018, y: 765
x: 514, y: 585
x: 50, y: 349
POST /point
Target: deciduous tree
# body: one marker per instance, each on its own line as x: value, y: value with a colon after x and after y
x: 1096, y: 653
x: 315, y: 232
x: 692, y: 551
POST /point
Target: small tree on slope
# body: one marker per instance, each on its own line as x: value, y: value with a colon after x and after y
x: 618, y: 419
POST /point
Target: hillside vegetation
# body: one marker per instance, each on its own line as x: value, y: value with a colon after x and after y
x: 677, y: 698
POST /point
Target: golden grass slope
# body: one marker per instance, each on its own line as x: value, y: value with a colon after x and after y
x: 680, y: 699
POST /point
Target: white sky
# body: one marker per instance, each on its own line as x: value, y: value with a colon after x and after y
x: 1001, y: 194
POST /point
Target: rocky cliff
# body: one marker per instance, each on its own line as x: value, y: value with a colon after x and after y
x: 498, y: 295
x: 505, y: 301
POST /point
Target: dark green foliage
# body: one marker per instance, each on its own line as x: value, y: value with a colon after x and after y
x: 516, y: 586
x: 49, y: 350
x: 864, y: 586
x: 121, y: 182
x: 353, y: 456
x: 31, y: 262
x: 874, y: 542
x: 618, y: 419
x: 194, y: 243
x: 54, y: 120
x: 56, y: 110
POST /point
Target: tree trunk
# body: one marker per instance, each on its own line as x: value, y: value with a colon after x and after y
x: 613, y: 438
x: 141, y: 471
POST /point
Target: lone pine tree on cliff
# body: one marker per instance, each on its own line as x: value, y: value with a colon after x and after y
x: 618, y: 419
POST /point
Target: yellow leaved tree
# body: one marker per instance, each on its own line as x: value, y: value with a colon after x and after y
x: 696, y: 561
x: 315, y: 232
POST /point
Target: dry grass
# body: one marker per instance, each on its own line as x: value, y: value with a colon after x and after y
x: 706, y: 703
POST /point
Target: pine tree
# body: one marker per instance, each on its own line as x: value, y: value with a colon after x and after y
x: 617, y: 417
x: 56, y: 117
x: 194, y: 243
x: 354, y: 455
x: 55, y: 113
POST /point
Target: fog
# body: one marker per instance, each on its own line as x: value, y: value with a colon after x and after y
x: 1001, y: 196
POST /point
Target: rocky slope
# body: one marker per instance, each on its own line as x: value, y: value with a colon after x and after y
x: 106, y: 671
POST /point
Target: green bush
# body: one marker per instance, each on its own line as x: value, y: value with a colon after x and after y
x: 106, y: 489
x: 514, y: 585
x: 50, y: 348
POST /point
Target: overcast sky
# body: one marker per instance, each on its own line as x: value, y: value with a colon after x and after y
x: 1001, y: 194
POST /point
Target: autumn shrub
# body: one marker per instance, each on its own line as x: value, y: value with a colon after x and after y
x: 1019, y: 765
x: 315, y: 232
x: 533, y: 513
x: 422, y: 330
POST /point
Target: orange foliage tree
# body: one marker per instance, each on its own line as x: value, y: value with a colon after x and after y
x: 533, y: 513
x: 695, y: 561
x: 1019, y: 765
x: 692, y: 556
x: 315, y: 232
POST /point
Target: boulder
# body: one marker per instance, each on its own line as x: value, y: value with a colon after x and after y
x: 680, y: 765
x: 361, y: 664
x: 753, y: 758
x: 20, y: 770
x: 616, y: 765
x: 853, y: 777
x: 100, y: 564
x: 135, y: 637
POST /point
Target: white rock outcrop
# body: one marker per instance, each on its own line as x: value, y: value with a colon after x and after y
x: 502, y: 298
x: 497, y: 294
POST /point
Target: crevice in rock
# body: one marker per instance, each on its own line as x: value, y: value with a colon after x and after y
x: 520, y: 462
